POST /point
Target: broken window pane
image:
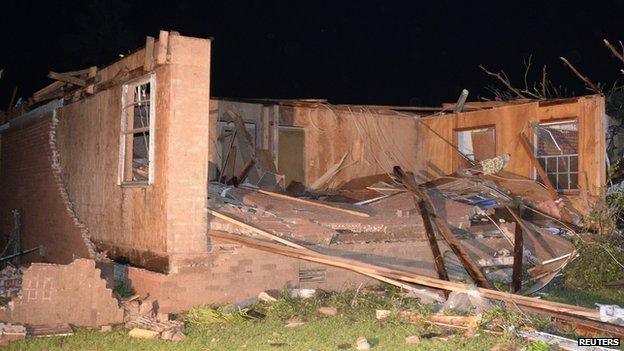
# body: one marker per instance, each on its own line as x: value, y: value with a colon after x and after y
x: 557, y: 150
x: 136, y: 132
x: 477, y: 144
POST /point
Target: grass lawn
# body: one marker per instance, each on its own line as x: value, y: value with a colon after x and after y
x: 556, y: 291
x: 355, y: 318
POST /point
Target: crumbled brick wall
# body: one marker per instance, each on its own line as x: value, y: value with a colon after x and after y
x: 233, y: 273
x: 73, y: 293
x: 29, y: 183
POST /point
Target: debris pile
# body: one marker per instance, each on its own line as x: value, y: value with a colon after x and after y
x: 141, y: 317
x: 10, y: 281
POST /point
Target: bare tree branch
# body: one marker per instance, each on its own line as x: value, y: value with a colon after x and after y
x: 588, y: 83
x: 544, y: 81
x: 614, y: 51
x: 527, y: 68
x: 502, y: 77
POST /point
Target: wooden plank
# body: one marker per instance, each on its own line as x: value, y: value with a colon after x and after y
x: 244, y: 142
x: 529, y: 151
x: 418, y: 292
x: 67, y: 79
x: 438, y: 259
x: 48, y: 89
x: 78, y: 72
x: 310, y: 202
x: 406, y: 276
x: 243, y: 173
x: 12, y: 99
x: 254, y: 229
x: 148, y: 60
x: 138, y: 130
x: 443, y: 229
x: 516, y: 281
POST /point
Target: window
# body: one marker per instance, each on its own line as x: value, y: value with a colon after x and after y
x: 556, y: 148
x: 478, y: 144
x: 137, y: 132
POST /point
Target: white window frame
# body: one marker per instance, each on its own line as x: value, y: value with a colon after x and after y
x: 557, y: 157
x: 151, y: 79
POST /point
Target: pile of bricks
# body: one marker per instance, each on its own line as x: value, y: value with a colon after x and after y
x: 11, y: 332
x: 10, y: 281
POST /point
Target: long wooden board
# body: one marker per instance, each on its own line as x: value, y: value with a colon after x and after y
x: 538, y: 167
x: 410, y: 277
x: 416, y: 291
x: 311, y: 203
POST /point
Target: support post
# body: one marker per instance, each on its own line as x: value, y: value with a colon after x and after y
x: 407, y: 179
x: 540, y: 170
x: 516, y: 280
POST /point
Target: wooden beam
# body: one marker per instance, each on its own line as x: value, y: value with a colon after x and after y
x: 443, y: 229
x: 311, y: 203
x: 406, y: 276
x: 538, y: 167
x: 79, y: 72
x: 290, y: 244
x: 244, y: 141
x: 516, y: 280
x: 48, y: 89
x: 12, y: 99
x: 67, y: 79
x: 254, y: 229
x: 243, y: 173
x: 438, y: 259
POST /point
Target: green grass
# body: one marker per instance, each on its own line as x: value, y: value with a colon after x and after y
x: 355, y: 318
x: 558, y: 292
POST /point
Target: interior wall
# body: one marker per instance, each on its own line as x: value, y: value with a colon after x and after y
x: 366, y: 142
x: 375, y: 142
x: 509, y: 121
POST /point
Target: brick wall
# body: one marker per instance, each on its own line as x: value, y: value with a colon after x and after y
x: 187, y: 165
x: 28, y: 182
x: 235, y: 273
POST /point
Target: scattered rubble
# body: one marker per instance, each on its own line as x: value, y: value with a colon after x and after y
x: 172, y: 335
x: 382, y: 314
x: 265, y: 297
x: 11, y: 332
x: 328, y: 311
x: 302, y: 293
x: 412, y: 340
x: 294, y: 323
x: 10, y: 281
x: 143, y: 333
x: 362, y: 344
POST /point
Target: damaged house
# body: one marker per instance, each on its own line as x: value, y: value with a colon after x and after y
x: 137, y: 163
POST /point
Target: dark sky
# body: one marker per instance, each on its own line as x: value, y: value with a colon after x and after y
x: 377, y: 52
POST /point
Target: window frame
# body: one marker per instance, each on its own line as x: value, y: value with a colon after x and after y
x: 568, y: 156
x: 124, y: 132
x: 457, y: 161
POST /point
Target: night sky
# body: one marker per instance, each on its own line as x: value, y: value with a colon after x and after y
x: 375, y: 52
